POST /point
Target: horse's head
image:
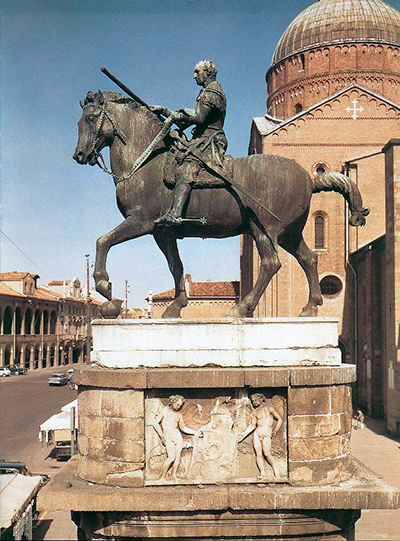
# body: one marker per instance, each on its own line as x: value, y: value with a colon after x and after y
x: 96, y: 129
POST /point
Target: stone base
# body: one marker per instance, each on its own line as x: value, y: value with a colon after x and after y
x: 301, y: 341
x: 265, y: 511
x: 184, y: 433
x: 229, y: 526
x: 118, y: 444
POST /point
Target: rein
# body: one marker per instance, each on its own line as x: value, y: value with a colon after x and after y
x: 140, y: 160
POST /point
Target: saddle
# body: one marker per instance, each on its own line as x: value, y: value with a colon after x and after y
x: 204, y: 179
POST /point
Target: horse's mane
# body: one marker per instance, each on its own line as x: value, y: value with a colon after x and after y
x: 121, y: 99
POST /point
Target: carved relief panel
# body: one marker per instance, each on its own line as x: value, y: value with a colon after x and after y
x: 212, y: 436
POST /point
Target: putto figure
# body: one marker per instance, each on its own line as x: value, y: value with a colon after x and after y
x: 208, y: 139
x: 262, y: 423
x: 169, y: 425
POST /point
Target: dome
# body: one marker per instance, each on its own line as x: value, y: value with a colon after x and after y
x: 339, y: 21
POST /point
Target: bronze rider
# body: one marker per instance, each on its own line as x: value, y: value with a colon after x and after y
x: 208, y: 138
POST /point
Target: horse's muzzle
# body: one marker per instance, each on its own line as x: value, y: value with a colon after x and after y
x: 79, y: 157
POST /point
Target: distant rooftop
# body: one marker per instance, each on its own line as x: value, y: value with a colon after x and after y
x: 209, y: 289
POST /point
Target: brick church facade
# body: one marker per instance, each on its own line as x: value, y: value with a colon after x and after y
x: 333, y: 104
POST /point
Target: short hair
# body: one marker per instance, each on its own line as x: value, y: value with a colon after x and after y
x: 174, y: 397
x: 209, y: 67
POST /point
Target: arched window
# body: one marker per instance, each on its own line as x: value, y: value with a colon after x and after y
x: 53, y: 321
x: 319, y: 232
x: 298, y: 108
x: 8, y: 321
x: 28, y: 321
x: 302, y: 62
x: 52, y: 350
x: 45, y: 322
x: 7, y: 356
x: 36, y: 362
x: 38, y: 317
x: 18, y: 321
x: 27, y: 357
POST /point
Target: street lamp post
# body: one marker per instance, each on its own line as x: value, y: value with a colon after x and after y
x: 88, y: 333
x: 127, y: 290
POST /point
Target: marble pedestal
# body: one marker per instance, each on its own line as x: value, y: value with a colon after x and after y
x: 311, y: 489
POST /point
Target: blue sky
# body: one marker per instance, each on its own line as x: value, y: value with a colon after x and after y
x: 51, y: 54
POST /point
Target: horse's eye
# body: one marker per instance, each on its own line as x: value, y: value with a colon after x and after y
x: 90, y: 118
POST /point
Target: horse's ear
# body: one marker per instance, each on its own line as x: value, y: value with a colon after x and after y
x: 81, y: 104
x: 100, y: 96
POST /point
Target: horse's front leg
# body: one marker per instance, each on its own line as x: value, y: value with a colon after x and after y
x: 169, y: 248
x: 130, y: 228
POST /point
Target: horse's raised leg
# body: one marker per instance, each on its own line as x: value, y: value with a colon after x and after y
x: 169, y: 248
x: 129, y: 229
x: 269, y: 266
x: 309, y: 263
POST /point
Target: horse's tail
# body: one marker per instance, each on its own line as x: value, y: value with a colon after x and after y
x: 337, y: 182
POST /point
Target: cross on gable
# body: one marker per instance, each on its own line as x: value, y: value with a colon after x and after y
x: 354, y: 109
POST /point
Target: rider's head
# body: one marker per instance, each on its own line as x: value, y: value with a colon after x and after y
x: 208, y: 67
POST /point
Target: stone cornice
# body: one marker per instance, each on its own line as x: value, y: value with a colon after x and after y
x: 329, y: 45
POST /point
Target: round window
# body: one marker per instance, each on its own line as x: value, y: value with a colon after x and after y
x: 331, y: 286
x: 319, y: 168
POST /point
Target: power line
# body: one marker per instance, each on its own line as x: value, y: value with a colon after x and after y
x: 28, y: 258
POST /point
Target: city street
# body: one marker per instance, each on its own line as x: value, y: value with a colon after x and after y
x: 27, y: 401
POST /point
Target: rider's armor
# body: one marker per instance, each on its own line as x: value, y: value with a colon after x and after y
x: 208, y: 139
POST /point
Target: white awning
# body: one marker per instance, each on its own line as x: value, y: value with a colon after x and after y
x: 73, y: 404
x: 60, y: 421
x: 16, y: 492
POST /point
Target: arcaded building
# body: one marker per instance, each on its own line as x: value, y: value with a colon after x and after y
x: 333, y: 95
x: 43, y: 326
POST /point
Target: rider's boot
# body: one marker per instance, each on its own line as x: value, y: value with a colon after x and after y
x: 174, y: 215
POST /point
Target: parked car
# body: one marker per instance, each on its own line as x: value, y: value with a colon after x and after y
x: 58, y: 379
x: 70, y: 373
x: 17, y: 369
x: 4, y: 372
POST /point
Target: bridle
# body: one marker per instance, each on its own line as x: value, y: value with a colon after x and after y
x: 117, y: 133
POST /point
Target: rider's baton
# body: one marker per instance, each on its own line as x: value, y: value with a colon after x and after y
x: 123, y: 87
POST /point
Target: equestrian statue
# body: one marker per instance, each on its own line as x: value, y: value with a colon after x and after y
x: 172, y: 188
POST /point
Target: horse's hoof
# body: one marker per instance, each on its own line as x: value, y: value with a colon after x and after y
x: 310, y: 311
x: 111, y: 309
x: 104, y: 288
x: 172, y: 312
x: 239, y: 311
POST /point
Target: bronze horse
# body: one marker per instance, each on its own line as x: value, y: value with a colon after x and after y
x: 280, y: 184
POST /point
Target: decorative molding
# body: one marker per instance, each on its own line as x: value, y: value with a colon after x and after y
x: 332, y: 77
x: 378, y: 145
x: 358, y: 118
